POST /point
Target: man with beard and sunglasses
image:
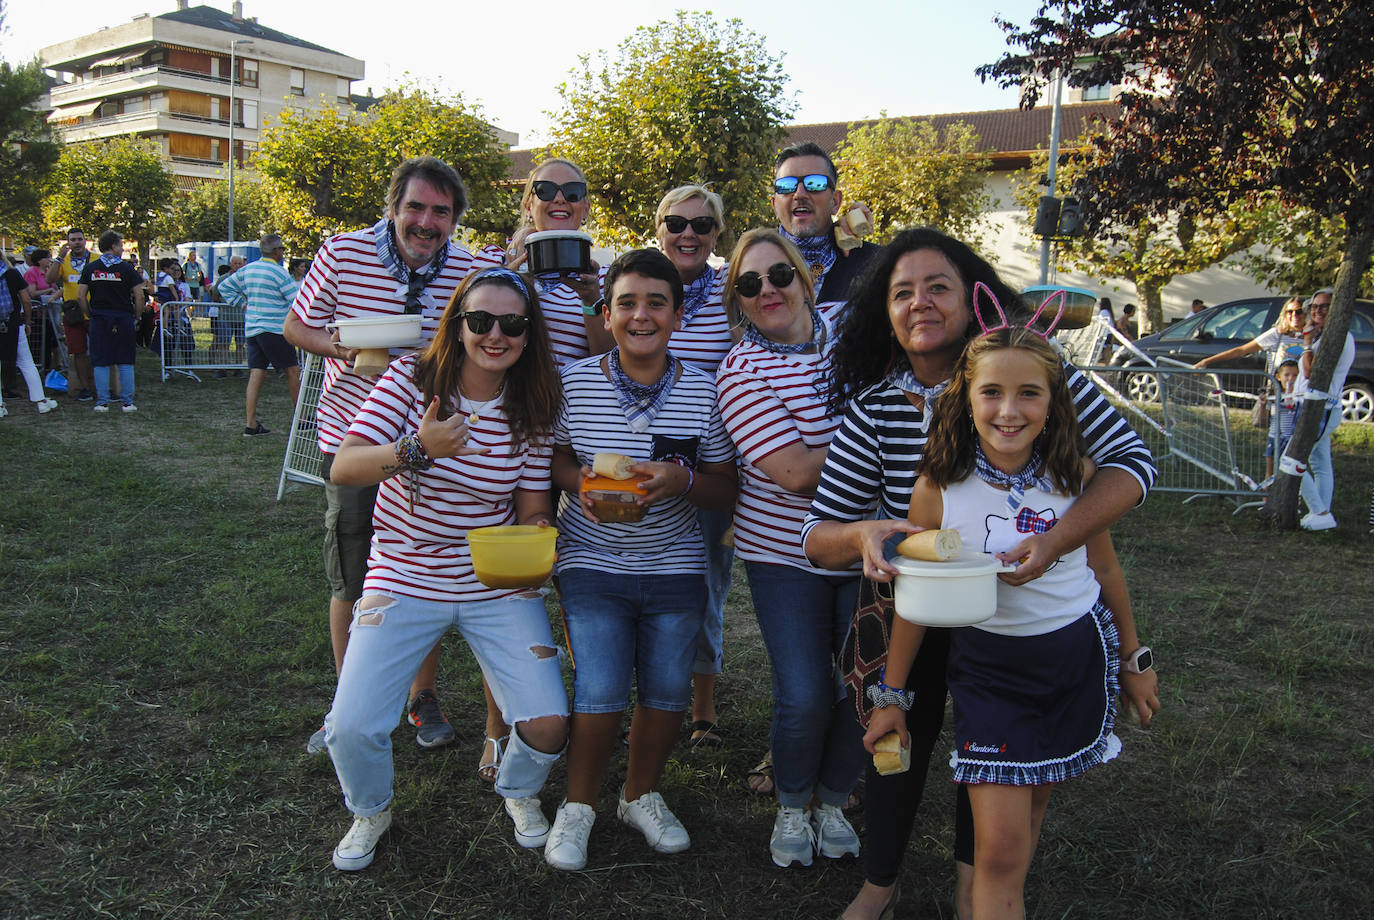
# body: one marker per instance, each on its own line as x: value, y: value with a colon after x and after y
x: 806, y: 199
x: 404, y: 263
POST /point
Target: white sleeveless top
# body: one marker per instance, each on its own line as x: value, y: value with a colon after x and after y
x: 1064, y: 593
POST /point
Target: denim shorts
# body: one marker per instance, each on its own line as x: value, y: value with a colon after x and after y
x: 624, y: 628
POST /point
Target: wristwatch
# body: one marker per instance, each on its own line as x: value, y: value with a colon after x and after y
x: 594, y: 309
x: 1139, y: 661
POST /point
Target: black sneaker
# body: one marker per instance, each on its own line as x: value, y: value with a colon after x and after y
x: 431, y: 728
x: 255, y: 431
x: 85, y: 396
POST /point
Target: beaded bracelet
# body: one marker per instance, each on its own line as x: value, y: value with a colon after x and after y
x: 410, y: 453
x: 691, y: 481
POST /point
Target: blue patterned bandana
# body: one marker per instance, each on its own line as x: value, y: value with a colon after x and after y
x: 818, y: 251
x: 752, y: 334
x: 1017, y: 483
x: 110, y: 260
x: 903, y: 379
x: 696, y: 293
x: 413, y: 280
x: 640, y: 403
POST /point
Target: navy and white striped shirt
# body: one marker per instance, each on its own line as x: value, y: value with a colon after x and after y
x: 870, y: 468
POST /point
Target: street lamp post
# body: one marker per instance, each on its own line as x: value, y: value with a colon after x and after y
x: 233, y: 78
x: 1050, y: 177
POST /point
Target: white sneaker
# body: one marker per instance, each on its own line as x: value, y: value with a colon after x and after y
x: 531, y: 827
x: 835, y: 836
x: 4, y: 412
x: 1318, y: 521
x: 101, y: 407
x: 793, y: 838
x: 566, y: 847
x: 46, y: 405
x: 359, y: 845
x: 129, y: 407
x: 650, y: 815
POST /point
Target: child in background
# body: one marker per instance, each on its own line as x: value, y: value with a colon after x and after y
x: 1033, y: 687
x: 1285, y: 414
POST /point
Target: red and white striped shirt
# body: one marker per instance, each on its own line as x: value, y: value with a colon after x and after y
x: 705, y: 340
x: 347, y: 281
x: 424, y: 553
x: 768, y: 402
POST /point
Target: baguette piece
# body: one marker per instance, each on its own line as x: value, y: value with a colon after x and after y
x: 612, y: 466
x: 932, y: 545
x: 889, y: 756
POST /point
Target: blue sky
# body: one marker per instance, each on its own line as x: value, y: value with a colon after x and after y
x: 908, y: 58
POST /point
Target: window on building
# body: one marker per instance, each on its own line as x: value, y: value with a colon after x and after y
x: 297, y: 81
x: 248, y: 73
x: 248, y: 113
x: 1102, y: 92
x: 343, y: 89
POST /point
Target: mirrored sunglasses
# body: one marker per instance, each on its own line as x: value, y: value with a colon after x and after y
x: 573, y: 192
x: 786, y: 185
x: 780, y: 275
x: 702, y: 225
x: 480, y: 322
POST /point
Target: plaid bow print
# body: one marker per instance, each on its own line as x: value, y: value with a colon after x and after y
x: 1028, y: 521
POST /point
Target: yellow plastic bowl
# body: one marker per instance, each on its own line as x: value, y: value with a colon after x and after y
x: 518, y: 556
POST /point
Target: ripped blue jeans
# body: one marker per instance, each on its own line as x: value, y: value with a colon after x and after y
x: 512, y: 642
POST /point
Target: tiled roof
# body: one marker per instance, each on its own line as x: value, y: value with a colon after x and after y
x: 1008, y: 134
x: 211, y: 18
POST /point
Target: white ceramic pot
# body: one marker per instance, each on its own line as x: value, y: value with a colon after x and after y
x: 959, y: 592
x: 401, y: 330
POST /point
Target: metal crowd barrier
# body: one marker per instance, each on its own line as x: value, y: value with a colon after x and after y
x: 303, y: 460
x: 197, y: 341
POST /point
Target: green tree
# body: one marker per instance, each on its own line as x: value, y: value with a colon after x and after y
x: 326, y: 171
x: 685, y: 100
x: 27, y: 151
x: 1147, y: 250
x: 910, y: 173
x: 1300, y: 250
x: 203, y: 212
x: 1262, y: 97
x: 118, y: 184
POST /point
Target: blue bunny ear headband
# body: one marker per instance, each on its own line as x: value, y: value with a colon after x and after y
x: 982, y: 289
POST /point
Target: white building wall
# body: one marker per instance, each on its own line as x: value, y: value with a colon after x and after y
x: 1016, y: 255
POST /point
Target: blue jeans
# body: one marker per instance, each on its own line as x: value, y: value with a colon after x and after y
x: 631, y: 628
x: 720, y: 559
x: 1319, y: 482
x: 126, y: 386
x: 816, y: 739
x: 386, y: 644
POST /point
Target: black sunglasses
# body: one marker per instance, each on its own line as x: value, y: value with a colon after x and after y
x: 573, y: 192
x: 787, y: 185
x: 677, y: 224
x: 780, y: 275
x: 480, y: 322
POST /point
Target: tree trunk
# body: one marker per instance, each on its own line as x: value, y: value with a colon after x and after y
x: 1151, y: 294
x: 1282, y: 505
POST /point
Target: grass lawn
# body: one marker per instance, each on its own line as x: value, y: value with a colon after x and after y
x: 164, y: 656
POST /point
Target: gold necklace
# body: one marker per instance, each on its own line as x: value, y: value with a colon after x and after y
x: 479, y: 407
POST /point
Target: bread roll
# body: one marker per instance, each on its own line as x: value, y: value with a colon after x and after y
x: 932, y: 545
x: 889, y: 756
x: 612, y: 466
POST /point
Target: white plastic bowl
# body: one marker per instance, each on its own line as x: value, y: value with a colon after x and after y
x: 399, y: 331
x: 959, y: 592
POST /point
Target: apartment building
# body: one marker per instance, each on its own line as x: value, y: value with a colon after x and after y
x: 178, y: 78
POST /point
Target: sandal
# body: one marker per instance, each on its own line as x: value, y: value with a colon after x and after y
x: 705, y: 734
x: 760, y: 779
x: 487, y: 769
